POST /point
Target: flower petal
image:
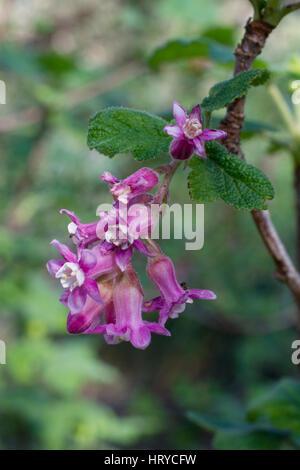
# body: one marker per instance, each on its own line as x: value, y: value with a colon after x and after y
x: 212, y: 134
x: 76, y: 299
x: 181, y: 149
x: 157, y: 329
x: 141, y: 337
x: 92, y: 290
x: 196, y: 113
x: 174, y: 131
x: 65, y: 251
x: 154, y: 304
x: 199, y: 148
x: 201, y: 294
x: 87, y: 260
x: 123, y: 257
x: 72, y: 216
x: 142, y: 248
x: 64, y: 297
x: 109, y: 178
x: 98, y: 330
x: 179, y: 113
x: 53, y: 266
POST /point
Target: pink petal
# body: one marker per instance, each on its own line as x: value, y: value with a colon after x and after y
x: 92, y: 290
x: 123, y: 257
x: 88, y: 317
x: 212, y: 134
x: 141, y: 337
x: 154, y: 304
x: 179, y: 113
x: 165, y: 313
x: 87, y: 260
x: 53, y: 266
x: 201, y: 294
x: 64, y: 297
x: 98, y: 330
x: 142, y: 248
x: 174, y: 131
x: 109, y: 178
x: 199, y: 148
x: 141, y: 181
x: 65, y: 251
x: 181, y: 149
x: 72, y: 216
x: 157, y: 329
x: 76, y: 299
x: 196, y: 113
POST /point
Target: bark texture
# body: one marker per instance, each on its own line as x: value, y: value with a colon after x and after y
x: 256, y: 33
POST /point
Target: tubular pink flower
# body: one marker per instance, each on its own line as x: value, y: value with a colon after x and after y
x: 188, y: 135
x: 161, y: 271
x: 123, y: 227
x: 90, y: 314
x: 81, y: 234
x: 126, y: 313
x: 138, y: 183
x: 77, y: 275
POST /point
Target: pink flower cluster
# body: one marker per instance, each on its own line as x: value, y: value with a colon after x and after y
x: 101, y: 289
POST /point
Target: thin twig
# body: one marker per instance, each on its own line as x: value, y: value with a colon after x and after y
x: 163, y: 191
x: 251, y: 46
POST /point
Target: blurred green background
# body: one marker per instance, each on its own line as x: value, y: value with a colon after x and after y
x: 62, y: 62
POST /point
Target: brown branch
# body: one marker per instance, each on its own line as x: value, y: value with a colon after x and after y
x: 251, y: 46
x: 163, y: 191
x: 297, y: 193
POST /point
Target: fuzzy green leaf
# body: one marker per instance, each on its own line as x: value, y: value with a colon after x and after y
x: 180, y: 49
x: 225, y: 92
x: 223, y: 175
x: 121, y: 130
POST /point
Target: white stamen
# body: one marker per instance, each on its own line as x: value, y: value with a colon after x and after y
x: 72, y: 228
x: 192, y: 128
x: 70, y: 276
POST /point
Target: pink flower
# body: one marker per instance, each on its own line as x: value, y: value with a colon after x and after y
x: 77, y: 274
x: 188, y: 135
x: 173, y: 297
x: 124, y: 315
x: 138, y: 183
x: 90, y: 314
x: 81, y: 234
x: 122, y: 228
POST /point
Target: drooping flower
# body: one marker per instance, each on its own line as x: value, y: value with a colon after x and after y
x: 161, y: 271
x: 81, y: 234
x: 188, y: 135
x: 123, y: 227
x: 124, y: 316
x: 138, y: 183
x: 90, y: 314
x: 77, y: 274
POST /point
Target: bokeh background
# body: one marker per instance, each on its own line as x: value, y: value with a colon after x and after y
x: 62, y: 62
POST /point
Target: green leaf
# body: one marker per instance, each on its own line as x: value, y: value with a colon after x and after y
x: 180, y: 49
x: 121, y: 130
x: 241, y: 435
x: 281, y: 405
x: 225, y: 92
x: 223, y: 175
x: 222, y: 34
